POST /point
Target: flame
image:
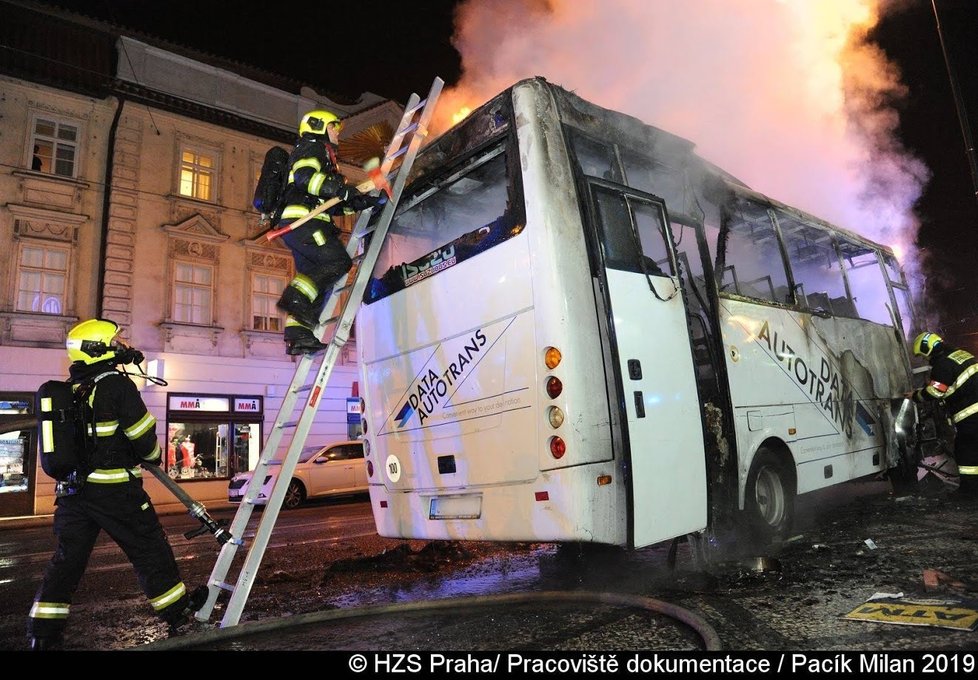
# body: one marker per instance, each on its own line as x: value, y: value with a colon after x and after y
x: 461, y: 114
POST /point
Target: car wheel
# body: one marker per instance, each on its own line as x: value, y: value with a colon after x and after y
x: 769, y: 497
x: 294, y: 495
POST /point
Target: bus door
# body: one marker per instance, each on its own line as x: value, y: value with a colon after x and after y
x: 652, y: 364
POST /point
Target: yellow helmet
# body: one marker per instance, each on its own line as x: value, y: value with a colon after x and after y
x: 315, y: 122
x: 925, y: 343
x: 91, y: 341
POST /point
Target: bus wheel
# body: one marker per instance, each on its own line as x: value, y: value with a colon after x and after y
x: 770, y: 497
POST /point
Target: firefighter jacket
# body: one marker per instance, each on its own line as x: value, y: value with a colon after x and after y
x: 952, y: 380
x: 313, y: 178
x: 125, y: 431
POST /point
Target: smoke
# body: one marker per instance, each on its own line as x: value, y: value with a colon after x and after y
x: 787, y: 95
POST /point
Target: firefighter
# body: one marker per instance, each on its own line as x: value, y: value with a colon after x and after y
x: 320, y: 257
x: 108, y: 494
x: 952, y: 382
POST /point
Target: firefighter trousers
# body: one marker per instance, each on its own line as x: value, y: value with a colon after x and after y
x: 966, y: 455
x: 320, y: 255
x: 126, y: 514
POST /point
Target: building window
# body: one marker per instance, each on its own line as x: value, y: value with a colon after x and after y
x: 197, y: 173
x: 54, y: 146
x: 42, y: 275
x: 193, y: 293
x: 266, y: 289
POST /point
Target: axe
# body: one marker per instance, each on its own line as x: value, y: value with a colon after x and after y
x: 376, y: 180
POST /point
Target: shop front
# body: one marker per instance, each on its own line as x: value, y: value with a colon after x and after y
x: 17, y: 455
x: 211, y: 437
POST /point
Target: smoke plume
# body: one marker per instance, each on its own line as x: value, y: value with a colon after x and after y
x: 787, y: 95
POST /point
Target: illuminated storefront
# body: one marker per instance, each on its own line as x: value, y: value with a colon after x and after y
x: 17, y: 447
x: 212, y: 436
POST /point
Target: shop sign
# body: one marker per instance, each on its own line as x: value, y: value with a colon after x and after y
x: 201, y: 403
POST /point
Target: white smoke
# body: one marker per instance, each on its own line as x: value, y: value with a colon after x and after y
x: 784, y: 94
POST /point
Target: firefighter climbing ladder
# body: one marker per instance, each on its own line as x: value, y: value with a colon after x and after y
x: 334, y: 328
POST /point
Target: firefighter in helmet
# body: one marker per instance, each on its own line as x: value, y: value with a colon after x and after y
x: 952, y: 382
x: 320, y: 257
x: 108, y: 493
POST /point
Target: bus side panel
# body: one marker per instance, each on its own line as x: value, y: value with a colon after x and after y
x: 821, y: 385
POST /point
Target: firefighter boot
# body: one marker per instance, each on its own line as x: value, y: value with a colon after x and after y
x: 185, y: 622
x: 294, y: 303
x: 300, y: 340
x: 42, y: 643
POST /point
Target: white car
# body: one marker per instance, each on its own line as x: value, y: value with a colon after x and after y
x: 334, y: 470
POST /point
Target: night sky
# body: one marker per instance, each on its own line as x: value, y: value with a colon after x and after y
x: 396, y: 48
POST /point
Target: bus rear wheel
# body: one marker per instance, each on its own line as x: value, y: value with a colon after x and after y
x: 769, y: 501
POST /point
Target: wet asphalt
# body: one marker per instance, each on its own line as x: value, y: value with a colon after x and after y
x: 850, y: 544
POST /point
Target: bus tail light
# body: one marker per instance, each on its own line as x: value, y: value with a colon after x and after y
x: 604, y: 480
x: 552, y: 358
x: 370, y: 468
x: 555, y: 416
x: 554, y: 387
x: 557, y: 447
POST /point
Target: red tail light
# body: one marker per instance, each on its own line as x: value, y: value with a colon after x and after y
x: 554, y: 387
x: 370, y: 468
x: 557, y: 447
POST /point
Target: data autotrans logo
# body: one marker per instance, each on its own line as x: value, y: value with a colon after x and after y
x: 829, y: 382
x: 404, y: 415
x: 461, y: 381
x: 433, y: 385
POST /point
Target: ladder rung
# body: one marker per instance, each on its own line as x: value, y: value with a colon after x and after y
x: 369, y: 229
x: 291, y: 423
x: 417, y: 106
x: 343, y: 289
x: 302, y: 389
x: 401, y: 133
x: 400, y: 152
x: 332, y: 319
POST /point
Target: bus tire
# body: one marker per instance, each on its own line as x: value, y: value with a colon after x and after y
x: 769, y: 498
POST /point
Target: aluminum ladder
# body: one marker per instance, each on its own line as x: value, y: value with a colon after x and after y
x: 303, y: 398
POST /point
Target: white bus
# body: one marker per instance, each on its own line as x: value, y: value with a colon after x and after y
x: 580, y: 331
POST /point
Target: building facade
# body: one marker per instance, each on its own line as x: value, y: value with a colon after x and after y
x: 126, y: 184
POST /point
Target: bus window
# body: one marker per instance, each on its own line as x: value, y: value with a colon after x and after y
x: 654, y: 178
x: 902, y: 294
x: 869, y: 293
x: 595, y: 158
x: 648, y: 223
x: 621, y: 217
x: 892, y: 268
x: 751, y: 263
x: 819, y: 283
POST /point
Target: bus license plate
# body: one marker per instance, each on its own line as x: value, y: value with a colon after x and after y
x: 455, y: 507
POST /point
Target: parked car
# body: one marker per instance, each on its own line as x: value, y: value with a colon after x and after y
x: 333, y: 470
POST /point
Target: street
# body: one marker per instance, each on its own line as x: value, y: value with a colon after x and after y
x: 326, y: 556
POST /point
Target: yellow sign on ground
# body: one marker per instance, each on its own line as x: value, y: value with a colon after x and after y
x: 943, y: 613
